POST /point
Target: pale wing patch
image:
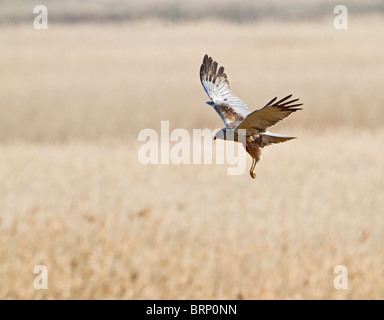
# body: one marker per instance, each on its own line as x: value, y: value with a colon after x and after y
x: 230, y: 108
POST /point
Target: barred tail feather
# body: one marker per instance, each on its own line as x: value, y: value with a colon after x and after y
x: 268, y: 138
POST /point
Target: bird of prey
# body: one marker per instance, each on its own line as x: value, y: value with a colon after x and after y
x: 236, y: 114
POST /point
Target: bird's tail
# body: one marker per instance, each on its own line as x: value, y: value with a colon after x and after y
x: 268, y: 138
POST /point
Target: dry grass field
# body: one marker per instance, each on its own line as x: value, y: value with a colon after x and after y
x: 74, y: 197
x: 68, y: 11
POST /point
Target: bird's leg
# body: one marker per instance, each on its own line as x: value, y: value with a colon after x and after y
x: 252, y: 172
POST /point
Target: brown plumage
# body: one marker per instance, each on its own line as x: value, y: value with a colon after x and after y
x: 236, y: 114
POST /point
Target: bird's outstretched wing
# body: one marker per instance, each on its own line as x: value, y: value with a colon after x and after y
x: 230, y: 108
x: 269, y: 115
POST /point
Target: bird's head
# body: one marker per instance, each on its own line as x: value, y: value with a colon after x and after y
x: 221, y: 134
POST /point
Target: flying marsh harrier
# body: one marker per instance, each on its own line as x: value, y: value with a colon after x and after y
x: 236, y: 114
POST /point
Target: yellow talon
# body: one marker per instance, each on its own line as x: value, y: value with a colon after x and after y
x: 252, y: 172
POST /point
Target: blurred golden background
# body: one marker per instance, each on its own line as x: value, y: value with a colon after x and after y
x: 74, y: 197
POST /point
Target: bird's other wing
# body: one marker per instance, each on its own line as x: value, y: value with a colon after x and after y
x: 230, y: 108
x: 269, y: 115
